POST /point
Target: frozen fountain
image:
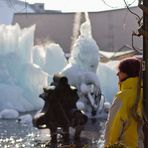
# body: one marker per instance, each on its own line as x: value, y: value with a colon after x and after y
x: 84, y: 69
x: 25, y: 68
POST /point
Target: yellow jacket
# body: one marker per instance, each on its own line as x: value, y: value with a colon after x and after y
x: 121, y: 126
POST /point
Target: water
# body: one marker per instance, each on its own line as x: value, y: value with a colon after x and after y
x: 16, y: 135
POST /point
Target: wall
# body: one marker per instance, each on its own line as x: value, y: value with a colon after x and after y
x: 111, y: 29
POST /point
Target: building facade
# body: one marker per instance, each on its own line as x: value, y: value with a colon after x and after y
x: 112, y: 29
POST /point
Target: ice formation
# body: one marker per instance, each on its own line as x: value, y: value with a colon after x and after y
x: 84, y: 68
x: 26, y: 69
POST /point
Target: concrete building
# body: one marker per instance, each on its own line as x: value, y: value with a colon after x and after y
x: 111, y: 29
x: 9, y: 7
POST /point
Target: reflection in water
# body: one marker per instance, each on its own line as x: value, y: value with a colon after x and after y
x: 13, y: 134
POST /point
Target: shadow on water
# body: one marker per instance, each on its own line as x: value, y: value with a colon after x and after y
x: 16, y: 135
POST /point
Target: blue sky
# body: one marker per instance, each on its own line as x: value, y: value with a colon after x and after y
x: 82, y: 5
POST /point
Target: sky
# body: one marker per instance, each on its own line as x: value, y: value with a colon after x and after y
x: 81, y: 5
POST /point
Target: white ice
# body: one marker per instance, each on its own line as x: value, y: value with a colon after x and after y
x: 84, y: 68
x: 26, y: 68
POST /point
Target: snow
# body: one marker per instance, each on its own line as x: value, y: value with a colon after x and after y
x: 26, y: 69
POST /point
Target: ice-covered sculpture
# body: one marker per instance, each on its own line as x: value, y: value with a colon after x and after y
x: 54, y: 62
x: 84, y: 57
x: 26, y: 69
x: 83, y: 63
x: 50, y: 58
x: 20, y: 79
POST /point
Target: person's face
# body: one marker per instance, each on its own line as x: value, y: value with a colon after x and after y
x: 121, y: 75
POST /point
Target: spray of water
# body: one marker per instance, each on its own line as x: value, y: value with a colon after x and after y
x: 76, y: 26
x: 85, y: 29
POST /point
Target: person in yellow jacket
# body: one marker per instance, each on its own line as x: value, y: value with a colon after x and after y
x: 122, y: 126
